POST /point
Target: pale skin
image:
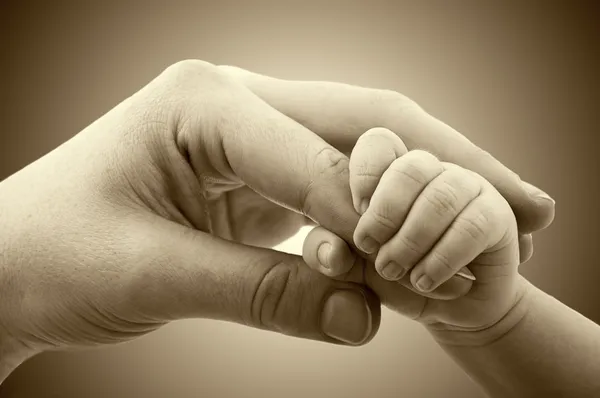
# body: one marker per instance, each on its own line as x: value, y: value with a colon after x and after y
x: 433, y: 218
x: 165, y: 207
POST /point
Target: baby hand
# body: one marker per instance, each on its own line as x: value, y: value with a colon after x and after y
x: 423, y: 221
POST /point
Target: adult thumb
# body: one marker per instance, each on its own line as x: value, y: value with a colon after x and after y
x: 185, y: 273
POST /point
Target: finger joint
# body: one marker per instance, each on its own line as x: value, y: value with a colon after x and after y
x: 269, y: 295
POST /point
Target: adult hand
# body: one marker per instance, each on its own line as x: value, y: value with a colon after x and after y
x: 151, y: 213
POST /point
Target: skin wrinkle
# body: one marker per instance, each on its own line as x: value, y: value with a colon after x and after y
x: 419, y: 316
x: 382, y: 219
x: 150, y: 192
x: 113, y: 318
x: 256, y: 307
x: 228, y: 219
x: 331, y: 162
x: 441, y: 201
x: 472, y: 228
x: 519, y: 300
x: 368, y: 175
x: 185, y: 206
x: 278, y: 299
x: 193, y: 206
x: 443, y: 260
x: 299, y: 297
x: 160, y: 182
x: 411, y: 245
x: 411, y: 172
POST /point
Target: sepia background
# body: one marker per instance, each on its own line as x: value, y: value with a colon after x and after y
x: 519, y: 78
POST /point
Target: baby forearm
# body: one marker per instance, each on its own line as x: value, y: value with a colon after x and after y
x: 553, y: 351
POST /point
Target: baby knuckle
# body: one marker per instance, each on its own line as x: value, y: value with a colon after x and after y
x: 412, y: 171
x: 442, y: 260
x: 367, y: 171
x: 462, y: 182
x: 443, y: 199
x: 383, y: 216
x: 411, y: 245
x: 474, y: 226
x: 422, y: 159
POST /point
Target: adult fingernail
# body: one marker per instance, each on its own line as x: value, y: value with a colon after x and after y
x: 364, y: 205
x: 525, y: 248
x: 424, y: 283
x: 466, y: 273
x: 368, y: 245
x: 545, y: 197
x: 392, y: 271
x: 538, y: 193
x: 347, y: 317
x: 323, y: 254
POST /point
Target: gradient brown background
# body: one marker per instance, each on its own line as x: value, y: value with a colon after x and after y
x: 518, y: 78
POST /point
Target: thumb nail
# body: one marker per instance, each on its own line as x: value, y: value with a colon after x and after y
x: 466, y: 273
x: 537, y: 193
x: 346, y: 317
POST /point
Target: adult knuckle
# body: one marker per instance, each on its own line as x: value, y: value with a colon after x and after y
x: 328, y: 165
x: 480, y: 156
x: 400, y: 110
x: 271, y: 293
x: 190, y: 67
x: 329, y: 161
x: 397, y: 104
x: 186, y: 74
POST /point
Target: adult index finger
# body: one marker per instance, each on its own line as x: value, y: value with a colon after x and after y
x: 340, y: 113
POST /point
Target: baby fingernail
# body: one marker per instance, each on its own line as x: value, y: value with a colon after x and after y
x: 424, y: 283
x: 392, y: 271
x: 368, y: 245
x: 323, y: 254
